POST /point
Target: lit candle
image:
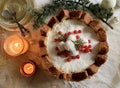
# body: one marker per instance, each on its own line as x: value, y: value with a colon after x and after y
x: 27, y: 69
x: 15, y: 45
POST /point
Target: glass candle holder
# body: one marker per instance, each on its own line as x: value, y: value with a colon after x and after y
x: 15, y: 45
x: 27, y: 69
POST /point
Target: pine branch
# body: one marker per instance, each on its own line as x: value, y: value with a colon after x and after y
x: 56, y: 5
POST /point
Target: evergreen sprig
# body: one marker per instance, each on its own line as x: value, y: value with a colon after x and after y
x: 101, y: 13
x: 78, y: 43
x: 49, y: 9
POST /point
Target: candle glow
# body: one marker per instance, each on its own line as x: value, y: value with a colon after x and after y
x: 28, y: 69
x: 15, y: 45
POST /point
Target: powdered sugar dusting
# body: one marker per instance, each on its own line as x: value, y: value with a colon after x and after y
x: 85, y: 59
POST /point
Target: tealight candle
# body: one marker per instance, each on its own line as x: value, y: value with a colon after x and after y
x: 15, y: 45
x: 27, y: 69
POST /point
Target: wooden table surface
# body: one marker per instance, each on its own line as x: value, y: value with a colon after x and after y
x: 41, y: 79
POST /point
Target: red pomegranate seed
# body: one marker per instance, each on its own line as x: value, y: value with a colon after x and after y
x: 89, y: 41
x: 75, y: 31
x: 59, y: 39
x: 79, y: 31
x: 59, y: 53
x: 69, y: 33
x: 56, y: 48
x: 64, y: 54
x: 66, y: 35
x: 89, y: 46
x: 77, y: 36
x: 77, y: 56
x: 82, y: 46
x: 68, y: 59
x: 66, y: 51
x: 73, y: 57
x: 55, y: 40
x: 85, y: 47
x: 59, y: 32
x: 86, y: 50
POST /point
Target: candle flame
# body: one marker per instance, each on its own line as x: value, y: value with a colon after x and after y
x: 29, y: 68
x: 16, y: 44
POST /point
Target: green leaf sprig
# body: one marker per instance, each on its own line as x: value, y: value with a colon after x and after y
x: 62, y: 37
x: 78, y: 43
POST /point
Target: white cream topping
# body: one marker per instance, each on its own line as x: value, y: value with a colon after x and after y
x: 86, y: 59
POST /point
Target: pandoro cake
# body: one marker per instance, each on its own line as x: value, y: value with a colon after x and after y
x: 73, y: 45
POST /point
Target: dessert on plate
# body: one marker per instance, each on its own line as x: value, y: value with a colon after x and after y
x: 73, y: 45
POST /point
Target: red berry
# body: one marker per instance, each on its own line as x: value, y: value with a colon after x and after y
x: 79, y: 31
x: 82, y: 46
x: 69, y: 33
x: 77, y: 37
x: 59, y: 32
x: 89, y: 41
x: 86, y: 50
x: 73, y: 57
x: 75, y: 31
x: 68, y: 59
x: 66, y: 35
x: 59, y: 53
x: 77, y: 56
x: 55, y: 39
x: 66, y: 51
x: 85, y: 47
x: 59, y: 39
x: 64, y: 54
x: 89, y: 46
x: 56, y: 48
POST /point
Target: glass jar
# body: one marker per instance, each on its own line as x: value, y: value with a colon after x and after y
x: 21, y: 8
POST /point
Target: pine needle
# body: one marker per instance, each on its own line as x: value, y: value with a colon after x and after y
x: 52, y: 8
